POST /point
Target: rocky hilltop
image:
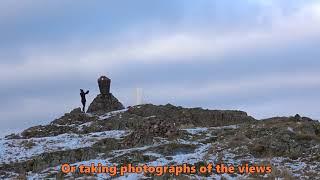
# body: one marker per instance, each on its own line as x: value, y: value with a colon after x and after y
x: 162, y: 135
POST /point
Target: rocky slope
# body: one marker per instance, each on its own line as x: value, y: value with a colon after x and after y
x: 163, y: 135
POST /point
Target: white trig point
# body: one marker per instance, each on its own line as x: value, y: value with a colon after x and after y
x: 139, y: 96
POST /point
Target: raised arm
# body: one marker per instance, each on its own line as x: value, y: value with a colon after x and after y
x: 87, y: 92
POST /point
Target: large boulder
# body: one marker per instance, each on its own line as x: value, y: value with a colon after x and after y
x: 103, y: 104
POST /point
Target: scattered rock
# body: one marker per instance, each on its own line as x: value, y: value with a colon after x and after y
x: 153, y: 127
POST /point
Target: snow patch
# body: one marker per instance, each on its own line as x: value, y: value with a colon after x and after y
x: 112, y: 113
x: 226, y: 127
x: 80, y: 127
x: 190, y: 158
x: 198, y: 130
x: 194, y: 131
x: 290, y: 129
x: 153, y: 154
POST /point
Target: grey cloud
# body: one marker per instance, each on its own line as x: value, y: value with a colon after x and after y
x: 41, y: 73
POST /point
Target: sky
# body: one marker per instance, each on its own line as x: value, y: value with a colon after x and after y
x: 259, y: 56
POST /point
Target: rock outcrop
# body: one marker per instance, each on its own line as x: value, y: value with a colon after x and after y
x: 105, y: 103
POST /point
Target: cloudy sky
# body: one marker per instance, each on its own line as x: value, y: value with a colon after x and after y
x: 260, y: 56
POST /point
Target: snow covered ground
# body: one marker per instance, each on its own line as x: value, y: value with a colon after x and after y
x: 211, y: 152
x: 12, y: 150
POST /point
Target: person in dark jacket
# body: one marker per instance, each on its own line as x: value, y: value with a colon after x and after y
x: 83, y: 98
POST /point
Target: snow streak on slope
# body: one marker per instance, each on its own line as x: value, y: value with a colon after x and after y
x: 110, y: 114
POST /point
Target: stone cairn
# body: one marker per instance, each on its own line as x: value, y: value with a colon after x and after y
x: 105, y: 101
x: 104, y: 85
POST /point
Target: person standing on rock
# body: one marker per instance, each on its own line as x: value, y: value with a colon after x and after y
x: 83, y: 99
